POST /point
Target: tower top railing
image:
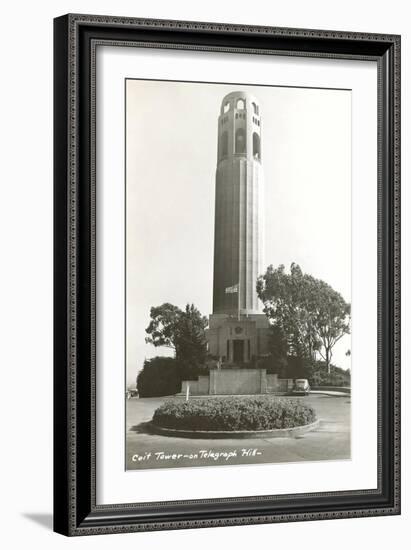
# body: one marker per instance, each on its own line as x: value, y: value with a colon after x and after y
x: 240, y: 101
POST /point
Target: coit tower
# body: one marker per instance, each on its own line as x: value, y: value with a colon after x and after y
x: 239, y: 201
x: 238, y: 232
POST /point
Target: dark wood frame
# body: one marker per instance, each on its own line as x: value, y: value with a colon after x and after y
x: 75, y: 40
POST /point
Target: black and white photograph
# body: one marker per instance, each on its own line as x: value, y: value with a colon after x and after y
x: 238, y: 274
x: 204, y: 282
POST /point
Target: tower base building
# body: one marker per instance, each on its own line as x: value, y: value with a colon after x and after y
x: 238, y: 341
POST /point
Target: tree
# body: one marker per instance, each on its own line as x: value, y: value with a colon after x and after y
x: 285, y: 303
x: 308, y: 311
x: 162, y: 329
x: 278, y: 347
x: 331, y: 319
x: 191, y: 343
x: 159, y: 376
x: 181, y: 330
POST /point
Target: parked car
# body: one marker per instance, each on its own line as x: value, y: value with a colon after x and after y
x: 301, y: 387
x: 131, y: 393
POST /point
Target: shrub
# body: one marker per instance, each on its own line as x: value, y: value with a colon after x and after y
x: 317, y: 375
x: 160, y: 376
x: 233, y: 414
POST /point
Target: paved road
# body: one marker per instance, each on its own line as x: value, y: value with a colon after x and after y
x: 330, y: 441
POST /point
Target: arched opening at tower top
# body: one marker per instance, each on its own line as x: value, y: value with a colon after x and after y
x: 256, y: 146
x: 241, y: 104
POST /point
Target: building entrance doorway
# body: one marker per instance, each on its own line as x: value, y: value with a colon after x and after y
x: 238, y: 351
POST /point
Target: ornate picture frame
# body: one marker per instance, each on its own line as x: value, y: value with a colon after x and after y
x: 76, y: 40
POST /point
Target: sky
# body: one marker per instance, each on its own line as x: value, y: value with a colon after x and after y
x: 171, y: 155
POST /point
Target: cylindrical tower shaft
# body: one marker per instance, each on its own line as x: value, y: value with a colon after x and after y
x: 239, y: 223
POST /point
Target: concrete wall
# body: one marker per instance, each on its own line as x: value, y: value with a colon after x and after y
x: 197, y: 387
x: 272, y: 382
x: 237, y: 382
x: 204, y: 385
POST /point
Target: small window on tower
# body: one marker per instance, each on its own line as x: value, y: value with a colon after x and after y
x: 240, y: 105
x: 256, y: 146
x: 227, y: 107
x: 240, y: 141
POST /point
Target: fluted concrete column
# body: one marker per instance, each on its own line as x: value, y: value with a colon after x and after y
x: 239, y: 220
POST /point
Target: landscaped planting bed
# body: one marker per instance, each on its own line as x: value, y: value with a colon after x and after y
x: 233, y: 414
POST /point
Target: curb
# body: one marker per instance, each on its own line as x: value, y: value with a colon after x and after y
x: 245, y: 434
x: 331, y: 393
